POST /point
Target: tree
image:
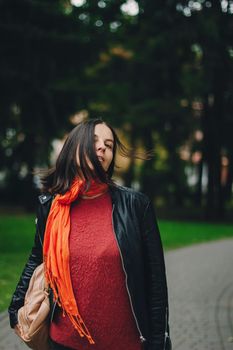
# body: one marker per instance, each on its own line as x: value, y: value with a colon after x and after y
x: 211, y: 31
x: 47, y: 48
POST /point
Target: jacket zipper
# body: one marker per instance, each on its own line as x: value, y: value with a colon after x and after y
x: 166, y: 333
x: 142, y: 339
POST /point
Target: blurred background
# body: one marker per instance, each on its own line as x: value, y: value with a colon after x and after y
x: 160, y: 72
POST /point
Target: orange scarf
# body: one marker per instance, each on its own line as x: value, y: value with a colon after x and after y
x: 56, y: 251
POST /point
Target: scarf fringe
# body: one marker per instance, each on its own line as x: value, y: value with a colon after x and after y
x: 76, y: 320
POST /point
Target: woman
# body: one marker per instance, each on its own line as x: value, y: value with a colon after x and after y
x: 102, y: 251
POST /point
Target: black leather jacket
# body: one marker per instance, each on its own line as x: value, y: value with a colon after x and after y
x: 139, y: 243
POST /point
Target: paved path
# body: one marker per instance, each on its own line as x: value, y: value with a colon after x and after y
x: 200, y: 282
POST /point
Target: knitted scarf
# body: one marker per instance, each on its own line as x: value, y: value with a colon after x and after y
x: 56, y: 251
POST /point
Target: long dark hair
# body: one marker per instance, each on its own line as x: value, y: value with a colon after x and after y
x: 81, y: 139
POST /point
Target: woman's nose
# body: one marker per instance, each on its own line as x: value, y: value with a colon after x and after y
x: 101, y: 145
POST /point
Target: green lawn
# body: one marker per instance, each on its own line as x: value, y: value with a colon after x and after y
x: 177, y: 234
x: 16, y: 238
x: 17, y: 232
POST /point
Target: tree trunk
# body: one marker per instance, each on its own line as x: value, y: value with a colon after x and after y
x: 148, y: 184
x: 129, y: 174
x: 198, y: 195
x: 228, y: 186
x: 208, y: 156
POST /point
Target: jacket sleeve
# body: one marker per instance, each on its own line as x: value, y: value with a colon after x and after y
x: 35, y: 259
x: 156, y: 283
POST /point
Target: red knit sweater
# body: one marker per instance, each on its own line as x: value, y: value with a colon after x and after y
x: 98, y: 281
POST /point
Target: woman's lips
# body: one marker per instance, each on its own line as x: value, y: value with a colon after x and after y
x: 101, y: 159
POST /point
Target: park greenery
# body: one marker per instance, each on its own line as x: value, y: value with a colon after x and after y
x: 162, y: 74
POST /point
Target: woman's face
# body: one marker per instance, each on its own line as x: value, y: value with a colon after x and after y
x: 104, y: 141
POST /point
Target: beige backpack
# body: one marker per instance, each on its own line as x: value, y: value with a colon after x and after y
x: 33, y: 316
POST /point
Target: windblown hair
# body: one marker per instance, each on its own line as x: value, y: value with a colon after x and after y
x: 81, y: 140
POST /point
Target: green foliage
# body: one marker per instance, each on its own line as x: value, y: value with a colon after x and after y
x: 45, y: 50
x: 142, y: 73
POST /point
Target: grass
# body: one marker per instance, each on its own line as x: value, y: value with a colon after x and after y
x: 11, y: 266
x: 17, y: 233
x: 16, y: 239
x: 177, y: 234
